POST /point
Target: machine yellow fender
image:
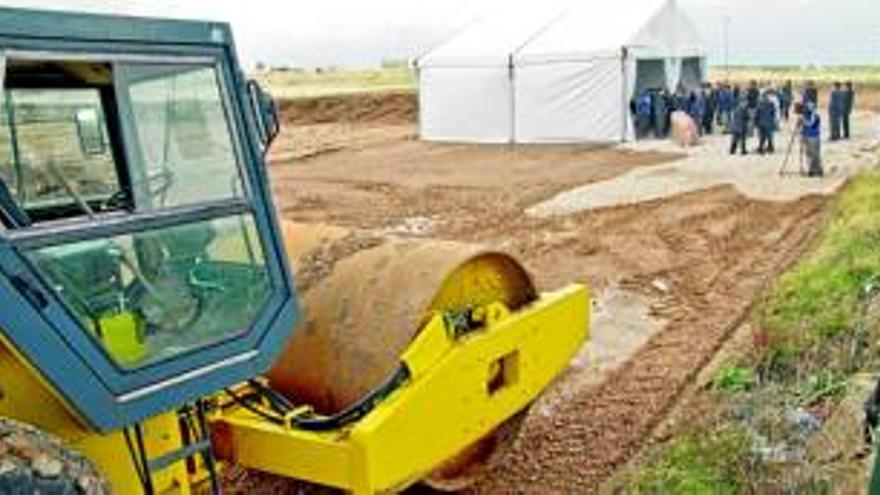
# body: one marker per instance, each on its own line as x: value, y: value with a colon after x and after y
x: 460, y: 388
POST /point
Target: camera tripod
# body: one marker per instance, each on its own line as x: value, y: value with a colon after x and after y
x: 795, y: 135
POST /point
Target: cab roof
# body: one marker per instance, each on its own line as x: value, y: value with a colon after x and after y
x: 75, y: 26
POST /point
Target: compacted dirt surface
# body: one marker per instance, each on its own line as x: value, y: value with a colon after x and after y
x: 715, y: 250
x: 698, y: 259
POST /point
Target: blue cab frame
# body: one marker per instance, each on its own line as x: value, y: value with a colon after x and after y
x: 38, y: 324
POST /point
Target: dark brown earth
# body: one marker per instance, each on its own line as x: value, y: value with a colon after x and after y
x: 372, y: 108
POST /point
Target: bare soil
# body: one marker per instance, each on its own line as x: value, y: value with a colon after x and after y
x: 372, y: 108
x: 713, y: 249
x: 717, y: 255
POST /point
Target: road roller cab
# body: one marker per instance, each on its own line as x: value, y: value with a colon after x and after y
x: 140, y: 257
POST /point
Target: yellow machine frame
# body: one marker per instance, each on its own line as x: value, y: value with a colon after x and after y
x: 460, y: 389
x: 27, y: 398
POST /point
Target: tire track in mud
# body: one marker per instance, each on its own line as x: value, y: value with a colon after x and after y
x: 597, y: 430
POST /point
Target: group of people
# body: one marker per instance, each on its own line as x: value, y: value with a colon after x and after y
x: 710, y: 107
x: 653, y: 108
x: 754, y: 109
x: 741, y: 112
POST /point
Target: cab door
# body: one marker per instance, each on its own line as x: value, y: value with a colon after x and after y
x: 139, y: 228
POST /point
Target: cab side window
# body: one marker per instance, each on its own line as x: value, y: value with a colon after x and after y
x: 50, y: 153
x: 185, y: 144
x: 56, y: 156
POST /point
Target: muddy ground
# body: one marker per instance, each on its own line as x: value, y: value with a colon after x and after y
x: 696, y: 260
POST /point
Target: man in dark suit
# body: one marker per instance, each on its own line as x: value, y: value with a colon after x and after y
x: 849, y: 101
x: 786, y: 99
x: 642, y: 109
x: 753, y: 96
x: 710, y: 105
x: 835, y: 111
x: 766, y: 122
x: 739, y: 129
x: 660, y: 113
x: 811, y: 94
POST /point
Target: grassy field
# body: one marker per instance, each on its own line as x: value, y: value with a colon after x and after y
x: 863, y: 76
x: 292, y: 84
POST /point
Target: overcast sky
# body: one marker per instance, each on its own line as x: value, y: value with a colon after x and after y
x: 364, y: 32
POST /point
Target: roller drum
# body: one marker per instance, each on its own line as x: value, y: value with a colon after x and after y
x: 365, y: 298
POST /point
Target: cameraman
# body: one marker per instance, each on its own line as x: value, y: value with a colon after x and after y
x: 811, y: 132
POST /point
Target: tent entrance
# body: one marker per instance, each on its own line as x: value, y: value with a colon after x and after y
x: 692, y: 76
x: 650, y: 74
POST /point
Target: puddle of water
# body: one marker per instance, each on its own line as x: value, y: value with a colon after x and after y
x: 413, y: 226
x: 622, y: 323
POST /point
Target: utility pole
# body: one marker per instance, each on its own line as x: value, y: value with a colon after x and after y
x: 727, y: 46
x: 876, y: 45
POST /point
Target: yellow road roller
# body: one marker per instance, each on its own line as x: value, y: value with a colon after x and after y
x: 152, y: 334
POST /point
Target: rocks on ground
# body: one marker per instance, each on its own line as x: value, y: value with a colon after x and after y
x: 34, y: 462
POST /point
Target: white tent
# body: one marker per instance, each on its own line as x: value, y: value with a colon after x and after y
x: 566, y: 76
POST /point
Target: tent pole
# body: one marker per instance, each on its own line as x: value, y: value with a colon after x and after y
x: 625, y: 96
x: 419, y: 113
x: 512, y: 77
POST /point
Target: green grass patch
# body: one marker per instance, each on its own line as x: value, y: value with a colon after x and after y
x: 733, y: 379
x: 825, y: 293
x: 825, y: 384
x: 711, y: 462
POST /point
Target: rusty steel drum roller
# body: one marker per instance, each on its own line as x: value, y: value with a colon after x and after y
x: 365, y: 298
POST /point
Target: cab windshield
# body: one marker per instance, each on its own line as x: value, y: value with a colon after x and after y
x: 81, y: 141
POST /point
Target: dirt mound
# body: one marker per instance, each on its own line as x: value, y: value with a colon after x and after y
x: 373, y: 108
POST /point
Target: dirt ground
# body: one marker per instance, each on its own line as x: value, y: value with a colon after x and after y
x: 690, y: 265
x: 780, y: 177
